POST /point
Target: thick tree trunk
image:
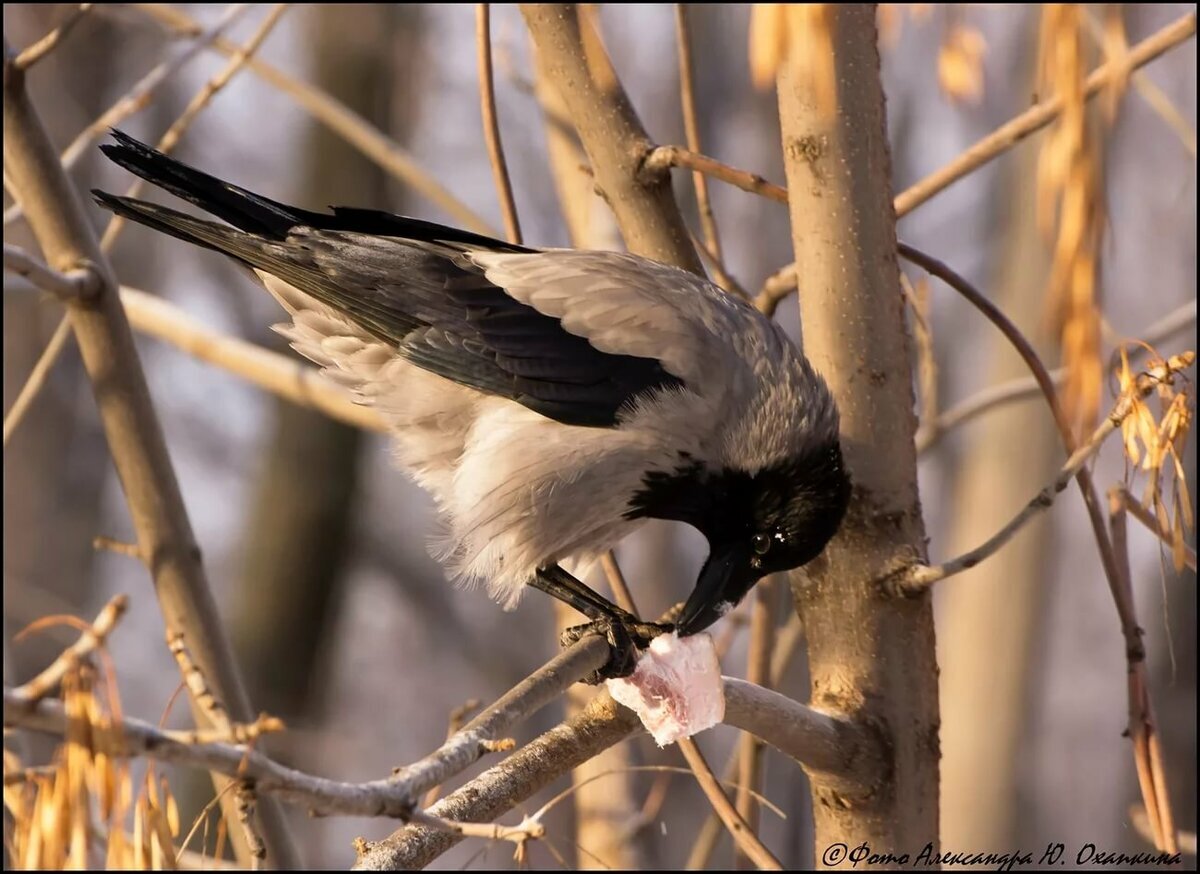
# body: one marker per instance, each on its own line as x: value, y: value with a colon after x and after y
x: 871, y: 657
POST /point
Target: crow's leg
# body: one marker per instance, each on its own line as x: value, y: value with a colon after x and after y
x: 624, y: 632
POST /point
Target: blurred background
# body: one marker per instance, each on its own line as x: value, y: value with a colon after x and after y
x: 316, y: 545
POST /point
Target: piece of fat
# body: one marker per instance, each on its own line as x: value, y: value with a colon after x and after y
x: 676, y: 688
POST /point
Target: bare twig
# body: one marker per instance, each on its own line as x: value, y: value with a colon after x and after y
x: 279, y: 374
x: 1143, y: 726
x: 928, y: 435
x: 1037, y: 117
x: 923, y: 577
x: 79, y: 282
x: 1136, y: 509
x: 201, y: 99
x: 139, y: 96
x: 44, y: 46
x: 36, y: 180
x: 691, y: 127
x: 616, y: 581
x: 90, y: 640
x: 758, y: 669
x: 780, y: 284
x: 662, y: 158
x: 349, y: 125
x: 743, y: 836
x: 37, y: 377
x: 491, y: 121
x: 720, y: 272
x: 246, y: 800
x: 1151, y: 93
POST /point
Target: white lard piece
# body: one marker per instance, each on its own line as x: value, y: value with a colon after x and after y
x: 676, y: 689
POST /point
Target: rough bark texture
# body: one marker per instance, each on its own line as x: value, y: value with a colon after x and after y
x: 871, y: 658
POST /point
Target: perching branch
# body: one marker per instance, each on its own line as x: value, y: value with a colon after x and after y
x: 36, y: 180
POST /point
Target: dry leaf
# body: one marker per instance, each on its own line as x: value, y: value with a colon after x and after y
x: 960, y: 63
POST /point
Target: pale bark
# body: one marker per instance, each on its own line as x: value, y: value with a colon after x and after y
x: 871, y: 658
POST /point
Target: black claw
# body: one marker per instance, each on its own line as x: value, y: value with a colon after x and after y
x: 625, y: 637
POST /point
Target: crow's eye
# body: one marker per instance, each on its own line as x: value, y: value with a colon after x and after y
x: 762, y: 543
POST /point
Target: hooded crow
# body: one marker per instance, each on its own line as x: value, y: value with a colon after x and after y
x: 550, y: 400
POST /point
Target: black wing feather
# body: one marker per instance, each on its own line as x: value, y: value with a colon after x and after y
x: 406, y: 282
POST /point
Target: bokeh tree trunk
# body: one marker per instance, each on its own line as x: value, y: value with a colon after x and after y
x: 302, y: 517
x: 985, y: 692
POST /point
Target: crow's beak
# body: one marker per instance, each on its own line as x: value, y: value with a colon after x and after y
x: 724, y: 580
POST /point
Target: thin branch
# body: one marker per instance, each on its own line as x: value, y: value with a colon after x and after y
x: 691, y: 127
x: 90, y: 640
x: 931, y: 432
x: 55, y: 214
x: 33, y: 53
x: 1143, y: 726
x: 781, y: 283
x: 196, y: 105
x: 662, y: 158
x: 743, y: 836
x: 138, y: 97
x: 1151, y: 93
x: 79, y: 282
x: 491, y: 121
x: 1138, y: 511
x: 1037, y: 117
x: 616, y: 581
x: 338, y: 117
x: 720, y: 272
x: 37, y: 377
x: 923, y: 577
x: 758, y: 669
x: 279, y: 374
x: 246, y: 799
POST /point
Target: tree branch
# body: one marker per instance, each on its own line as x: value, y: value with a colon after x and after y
x: 279, y: 374
x: 930, y: 433
x: 135, y: 439
x: 612, y: 135
x: 33, y: 53
x: 79, y: 282
x: 491, y: 122
x: 923, y: 577
x: 743, y: 836
x: 351, y: 126
x: 91, y: 639
x: 1037, y: 117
